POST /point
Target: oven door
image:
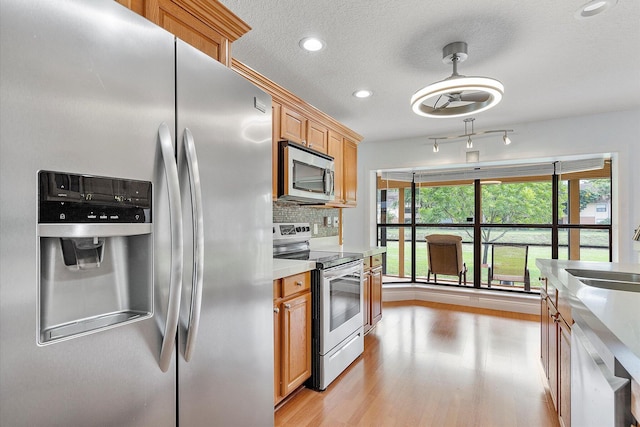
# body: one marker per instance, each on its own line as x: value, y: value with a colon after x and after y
x: 341, y: 304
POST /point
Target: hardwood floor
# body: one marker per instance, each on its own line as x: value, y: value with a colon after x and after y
x: 428, y: 364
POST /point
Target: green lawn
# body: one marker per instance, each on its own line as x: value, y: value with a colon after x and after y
x: 519, y: 236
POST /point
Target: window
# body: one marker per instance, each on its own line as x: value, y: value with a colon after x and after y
x: 519, y: 219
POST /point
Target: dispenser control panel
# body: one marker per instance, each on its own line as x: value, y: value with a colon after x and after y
x: 72, y: 198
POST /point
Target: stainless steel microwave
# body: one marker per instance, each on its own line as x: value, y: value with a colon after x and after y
x: 304, y: 176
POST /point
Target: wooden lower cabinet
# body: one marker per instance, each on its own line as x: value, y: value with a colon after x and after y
x: 372, y: 292
x: 292, y: 333
x: 564, y: 373
x: 555, y: 349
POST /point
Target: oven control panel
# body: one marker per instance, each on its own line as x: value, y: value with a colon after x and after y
x: 291, y: 231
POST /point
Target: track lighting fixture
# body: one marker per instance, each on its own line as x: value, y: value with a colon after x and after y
x: 468, y: 133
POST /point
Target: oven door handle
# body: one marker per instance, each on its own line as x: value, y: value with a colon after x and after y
x: 354, y: 268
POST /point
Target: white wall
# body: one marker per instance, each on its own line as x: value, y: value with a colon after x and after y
x: 616, y: 133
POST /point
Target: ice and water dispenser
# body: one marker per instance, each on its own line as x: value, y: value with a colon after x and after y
x: 96, y: 254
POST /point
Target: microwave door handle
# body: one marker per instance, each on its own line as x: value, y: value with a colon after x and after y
x: 175, y: 223
x: 198, y: 243
x: 326, y: 180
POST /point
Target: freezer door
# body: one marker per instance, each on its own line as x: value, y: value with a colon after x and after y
x: 228, y: 378
x: 84, y: 88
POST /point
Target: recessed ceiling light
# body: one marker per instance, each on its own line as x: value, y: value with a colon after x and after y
x: 311, y: 44
x: 594, y: 7
x: 362, y: 93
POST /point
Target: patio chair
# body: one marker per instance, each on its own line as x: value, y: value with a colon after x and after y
x: 444, y: 256
x: 509, y: 265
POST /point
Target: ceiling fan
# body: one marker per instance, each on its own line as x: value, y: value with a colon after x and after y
x: 457, y: 95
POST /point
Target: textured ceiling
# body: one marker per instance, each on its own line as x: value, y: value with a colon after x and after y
x: 551, y: 64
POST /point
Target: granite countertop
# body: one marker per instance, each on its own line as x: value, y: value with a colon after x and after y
x: 613, y: 315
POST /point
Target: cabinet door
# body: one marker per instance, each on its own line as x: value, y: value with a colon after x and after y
x: 366, y: 297
x: 544, y: 333
x: 296, y: 342
x: 317, y: 136
x: 553, y: 354
x: 376, y: 295
x: 292, y: 125
x: 335, y: 151
x: 277, y: 358
x: 564, y: 373
x: 350, y: 171
x: 276, y: 110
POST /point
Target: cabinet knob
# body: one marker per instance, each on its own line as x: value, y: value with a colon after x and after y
x: 287, y: 306
x: 309, y: 145
x: 298, y: 283
x: 276, y: 310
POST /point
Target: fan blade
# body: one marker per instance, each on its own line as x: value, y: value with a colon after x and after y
x: 474, y: 97
x: 443, y: 106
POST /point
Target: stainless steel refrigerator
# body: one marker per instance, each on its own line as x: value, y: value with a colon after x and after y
x: 135, y: 217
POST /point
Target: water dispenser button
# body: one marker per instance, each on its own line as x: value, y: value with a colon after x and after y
x: 114, y: 217
x: 103, y: 216
x: 63, y: 216
x: 91, y: 216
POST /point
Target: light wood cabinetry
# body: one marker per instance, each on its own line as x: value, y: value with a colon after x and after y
x: 350, y: 172
x: 372, y: 292
x: 207, y: 25
x: 295, y: 127
x: 298, y: 121
x: 292, y: 333
x: 555, y: 347
x: 335, y: 150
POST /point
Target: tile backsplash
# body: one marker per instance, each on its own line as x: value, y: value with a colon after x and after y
x: 289, y: 212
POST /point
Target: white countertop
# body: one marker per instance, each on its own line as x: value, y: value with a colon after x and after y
x: 617, y: 311
x: 289, y: 267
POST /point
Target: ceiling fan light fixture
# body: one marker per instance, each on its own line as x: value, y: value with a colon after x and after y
x: 470, y: 94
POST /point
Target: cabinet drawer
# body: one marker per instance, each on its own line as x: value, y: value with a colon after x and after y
x: 277, y: 289
x: 367, y: 263
x: 376, y: 260
x: 297, y: 283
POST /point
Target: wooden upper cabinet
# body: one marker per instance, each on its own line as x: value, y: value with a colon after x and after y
x: 292, y: 125
x: 276, y: 110
x: 334, y: 149
x: 350, y: 171
x: 207, y: 25
x: 317, y: 136
x: 295, y: 127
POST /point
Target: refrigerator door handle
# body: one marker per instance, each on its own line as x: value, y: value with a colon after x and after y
x: 175, y: 215
x: 198, y: 242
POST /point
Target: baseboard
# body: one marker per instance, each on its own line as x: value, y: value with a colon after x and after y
x: 479, y: 298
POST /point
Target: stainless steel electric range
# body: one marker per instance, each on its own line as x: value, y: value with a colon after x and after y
x: 337, y: 302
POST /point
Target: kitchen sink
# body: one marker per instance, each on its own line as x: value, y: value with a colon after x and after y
x: 614, y: 280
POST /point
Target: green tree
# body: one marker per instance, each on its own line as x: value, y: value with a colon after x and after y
x: 511, y: 203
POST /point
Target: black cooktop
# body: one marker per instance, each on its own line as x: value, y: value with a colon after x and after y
x: 323, y: 259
